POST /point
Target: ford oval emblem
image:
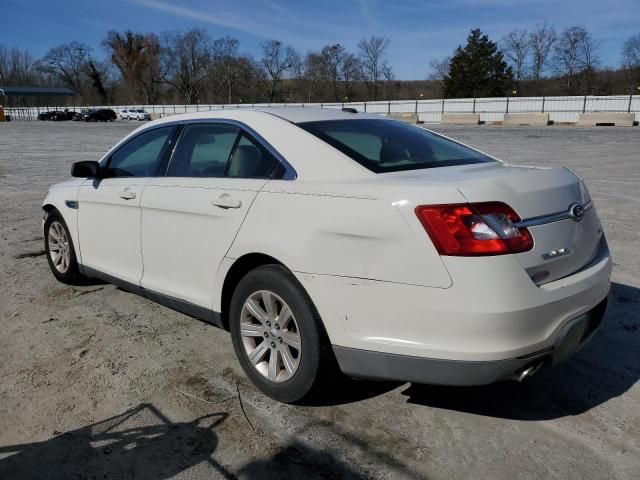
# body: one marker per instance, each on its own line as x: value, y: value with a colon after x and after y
x: 576, y: 212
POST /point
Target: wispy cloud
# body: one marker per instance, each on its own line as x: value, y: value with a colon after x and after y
x: 240, y: 23
x: 367, y: 14
x: 263, y: 18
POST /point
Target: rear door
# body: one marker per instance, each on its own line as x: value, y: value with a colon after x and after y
x: 191, y: 216
x: 109, y: 208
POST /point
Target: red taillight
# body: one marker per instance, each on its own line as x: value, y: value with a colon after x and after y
x: 469, y: 229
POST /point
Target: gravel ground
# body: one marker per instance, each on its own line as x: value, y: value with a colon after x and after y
x: 99, y: 383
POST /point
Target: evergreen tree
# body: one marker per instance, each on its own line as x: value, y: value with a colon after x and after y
x: 478, y: 69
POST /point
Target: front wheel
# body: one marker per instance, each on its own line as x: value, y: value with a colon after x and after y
x: 278, y: 336
x: 59, y: 247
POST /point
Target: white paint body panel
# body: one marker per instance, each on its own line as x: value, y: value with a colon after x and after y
x: 109, y: 227
x: 353, y: 240
x: 57, y: 196
x: 493, y: 311
x: 185, y: 236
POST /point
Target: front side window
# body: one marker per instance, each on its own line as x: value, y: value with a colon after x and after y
x: 203, y: 151
x: 140, y: 156
x: 387, y: 146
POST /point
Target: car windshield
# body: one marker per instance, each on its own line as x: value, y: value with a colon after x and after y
x: 390, y: 146
x: 140, y: 111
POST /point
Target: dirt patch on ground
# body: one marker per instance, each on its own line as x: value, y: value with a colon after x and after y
x: 97, y: 382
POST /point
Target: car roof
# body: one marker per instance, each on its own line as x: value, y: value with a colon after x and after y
x: 293, y: 115
x: 312, y: 114
x: 278, y: 127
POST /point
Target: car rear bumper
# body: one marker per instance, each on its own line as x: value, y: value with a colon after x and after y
x: 574, y: 335
x: 493, y: 320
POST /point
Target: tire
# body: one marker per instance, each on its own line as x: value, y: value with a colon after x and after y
x: 56, y: 233
x: 313, y: 360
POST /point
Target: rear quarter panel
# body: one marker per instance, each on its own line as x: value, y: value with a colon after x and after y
x: 330, y: 233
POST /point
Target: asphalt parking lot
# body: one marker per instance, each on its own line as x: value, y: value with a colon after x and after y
x: 100, y: 383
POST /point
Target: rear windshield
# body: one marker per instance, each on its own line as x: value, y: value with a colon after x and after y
x: 388, y: 146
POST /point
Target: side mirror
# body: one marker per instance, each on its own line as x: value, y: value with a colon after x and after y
x: 86, y: 169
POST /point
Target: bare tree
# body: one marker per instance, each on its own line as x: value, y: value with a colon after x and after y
x: 295, y: 90
x: 333, y: 58
x: 97, y: 73
x: 372, y: 52
x: 228, y: 65
x: 68, y: 64
x: 187, y: 62
x: 137, y: 58
x: 631, y: 59
x: 277, y: 60
x: 575, y: 58
x: 313, y: 75
x: 516, y: 47
x: 341, y: 70
x: 389, y: 77
x: 439, y: 70
x: 17, y: 67
x: 541, y: 41
x: 350, y: 73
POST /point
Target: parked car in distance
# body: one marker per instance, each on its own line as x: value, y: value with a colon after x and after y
x: 329, y: 241
x: 46, y: 115
x: 135, y: 114
x: 66, y: 115
x: 80, y: 115
x: 99, y: 115
x: 55, y: 115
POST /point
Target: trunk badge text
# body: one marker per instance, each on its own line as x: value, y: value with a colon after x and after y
x: 576, y: 212
x: 556, y: 253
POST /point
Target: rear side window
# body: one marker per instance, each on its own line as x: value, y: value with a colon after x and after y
x: 203, y: 151
x: 140, y: 156
x: 220, y: 150
x: 251, y: 160
x: 387, y: 146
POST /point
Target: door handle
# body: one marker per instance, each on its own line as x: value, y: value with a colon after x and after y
x: 226, y: 201
x: 127, y: 195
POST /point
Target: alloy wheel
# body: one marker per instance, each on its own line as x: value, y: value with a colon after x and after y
x: 59, y: 248
x: 270, y: 336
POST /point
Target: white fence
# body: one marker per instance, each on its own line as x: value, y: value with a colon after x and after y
x: 560, y: 109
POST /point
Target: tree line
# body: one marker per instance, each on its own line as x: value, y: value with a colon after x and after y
x: 192, y: 67
x: 541, y: 61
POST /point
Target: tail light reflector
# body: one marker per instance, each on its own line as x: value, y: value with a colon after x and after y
x: 474, y: 229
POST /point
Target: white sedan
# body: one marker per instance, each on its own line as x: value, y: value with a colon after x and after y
x: 135, y: 114
x: 329, y: 241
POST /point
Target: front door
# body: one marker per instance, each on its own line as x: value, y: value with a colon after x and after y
x: 109, y: 207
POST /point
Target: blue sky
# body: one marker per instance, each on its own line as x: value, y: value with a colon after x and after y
x: 420, y: 30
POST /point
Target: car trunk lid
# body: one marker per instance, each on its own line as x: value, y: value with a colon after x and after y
x: 542, y: 197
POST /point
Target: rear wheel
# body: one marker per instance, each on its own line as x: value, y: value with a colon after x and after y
x: 59, y: 247
x: 278, y: 336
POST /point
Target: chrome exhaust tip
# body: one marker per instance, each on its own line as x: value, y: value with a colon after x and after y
x: 527, y: 371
